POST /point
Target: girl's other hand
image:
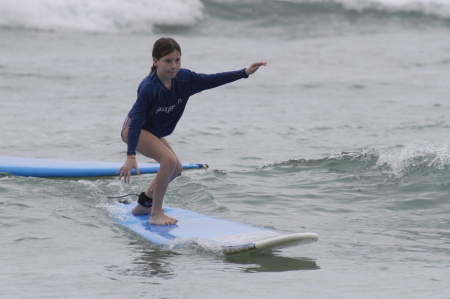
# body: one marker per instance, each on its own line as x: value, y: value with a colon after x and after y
x: 125, y: 170
x: 254, y: 67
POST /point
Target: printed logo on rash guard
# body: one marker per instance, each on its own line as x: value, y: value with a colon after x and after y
x: 168, y: 109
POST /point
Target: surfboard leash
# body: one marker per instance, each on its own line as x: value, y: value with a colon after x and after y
x: 120, y: 200
x: 143, y: 199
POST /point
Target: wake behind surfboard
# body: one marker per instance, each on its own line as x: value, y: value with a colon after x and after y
x: 63, y: 168
x: 214, y: 234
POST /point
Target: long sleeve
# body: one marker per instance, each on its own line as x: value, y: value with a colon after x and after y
x: 158, y: 110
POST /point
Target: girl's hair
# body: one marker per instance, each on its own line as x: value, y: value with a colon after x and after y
x: 163, y: 47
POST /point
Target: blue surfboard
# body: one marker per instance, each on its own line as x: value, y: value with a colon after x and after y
x: 65, y: 168
x: 214, y: 234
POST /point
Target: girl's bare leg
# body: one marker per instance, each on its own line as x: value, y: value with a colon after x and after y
x: 170, y: 167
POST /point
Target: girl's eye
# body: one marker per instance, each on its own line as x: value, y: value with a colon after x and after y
x: 170, y: 60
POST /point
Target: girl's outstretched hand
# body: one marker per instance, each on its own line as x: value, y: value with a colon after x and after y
x: 125, y: 170
x: 254, y: 67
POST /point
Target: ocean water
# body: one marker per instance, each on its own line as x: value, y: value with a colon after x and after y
x: 344, y: 133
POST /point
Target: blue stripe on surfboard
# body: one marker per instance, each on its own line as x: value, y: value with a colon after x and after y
x: 65, y: 168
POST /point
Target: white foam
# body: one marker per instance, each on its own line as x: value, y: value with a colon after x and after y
x: 99, y: 16
x: 440, y: 8
x: 427, y: 153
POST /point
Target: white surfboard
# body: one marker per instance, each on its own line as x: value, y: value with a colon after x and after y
x: 65, y: 168
x: 218, y: 235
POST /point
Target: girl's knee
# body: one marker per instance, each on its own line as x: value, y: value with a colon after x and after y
x: 179, y: 168
x: 177, y: 171
x: 170, y: 163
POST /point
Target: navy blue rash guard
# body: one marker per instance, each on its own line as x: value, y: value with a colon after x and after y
x: 158, y: 109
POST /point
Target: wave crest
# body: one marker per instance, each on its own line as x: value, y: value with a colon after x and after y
x: 422, y: 155
x: 99, y: 16
x: 418, y: 157
x: 282, y: 15
x: 294, y: 8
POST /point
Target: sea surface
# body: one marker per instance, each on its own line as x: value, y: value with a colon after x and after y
x: 345, y: 133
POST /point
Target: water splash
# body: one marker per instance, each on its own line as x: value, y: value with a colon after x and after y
x: 416, y: 157
x: 432, y: 155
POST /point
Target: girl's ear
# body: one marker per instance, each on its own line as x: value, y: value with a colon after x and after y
x: 155, y: 62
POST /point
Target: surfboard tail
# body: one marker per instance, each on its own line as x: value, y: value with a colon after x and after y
x: 276, y: 242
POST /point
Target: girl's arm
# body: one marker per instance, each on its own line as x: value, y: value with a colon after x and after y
x: 199, y: 82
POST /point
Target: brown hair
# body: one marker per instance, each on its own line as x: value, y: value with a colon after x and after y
x: 163, y: 47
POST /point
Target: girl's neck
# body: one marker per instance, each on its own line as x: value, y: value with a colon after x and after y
x: 166, y: 82
x: 168, y: 85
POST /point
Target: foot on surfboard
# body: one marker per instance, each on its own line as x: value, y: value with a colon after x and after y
x: 161, y: 219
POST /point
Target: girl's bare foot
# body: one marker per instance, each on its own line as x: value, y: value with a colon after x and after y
x: 160, y: 218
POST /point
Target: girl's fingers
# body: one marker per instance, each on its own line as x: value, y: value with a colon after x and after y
x: 254, y: 67
x: 125, y: 171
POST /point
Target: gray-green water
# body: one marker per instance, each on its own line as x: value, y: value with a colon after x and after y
x: 344, y: 133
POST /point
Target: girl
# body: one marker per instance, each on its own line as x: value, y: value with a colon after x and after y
x: 161, y: 100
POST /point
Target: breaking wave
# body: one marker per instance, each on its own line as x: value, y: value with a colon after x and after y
x: 420, y: 157
x: 219, y: 16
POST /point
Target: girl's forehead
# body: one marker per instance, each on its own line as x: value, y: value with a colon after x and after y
x: 174, y: 54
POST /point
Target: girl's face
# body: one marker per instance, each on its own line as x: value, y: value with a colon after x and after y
x: 168, y: 66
